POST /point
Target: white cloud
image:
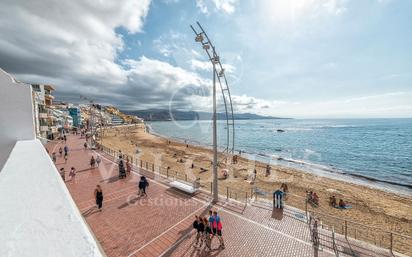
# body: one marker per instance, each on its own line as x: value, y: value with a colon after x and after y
x: 207, y: 66
x: 294, y: 10
x: 202, y: 6
x: 67, y: 39
x: 392, y: 104
x: 226, y: 6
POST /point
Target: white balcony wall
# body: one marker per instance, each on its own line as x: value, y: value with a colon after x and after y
x: 38, y: 217
x: 16, y: 114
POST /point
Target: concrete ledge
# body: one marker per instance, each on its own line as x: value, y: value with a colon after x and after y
x: 38, y: 216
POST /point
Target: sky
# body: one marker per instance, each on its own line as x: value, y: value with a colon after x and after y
x: 295, y: 58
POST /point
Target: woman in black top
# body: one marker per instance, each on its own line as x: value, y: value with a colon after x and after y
x: 98, y: 194
x: 200, y: 231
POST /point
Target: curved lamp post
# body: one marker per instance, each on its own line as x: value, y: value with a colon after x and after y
x: 219, y: 75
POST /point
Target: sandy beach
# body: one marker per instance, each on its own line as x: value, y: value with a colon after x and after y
x: 370, y: 206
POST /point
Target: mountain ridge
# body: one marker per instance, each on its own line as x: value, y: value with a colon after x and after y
x: 164, y: 115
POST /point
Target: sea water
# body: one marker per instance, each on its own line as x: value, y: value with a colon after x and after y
x: 374, y: 151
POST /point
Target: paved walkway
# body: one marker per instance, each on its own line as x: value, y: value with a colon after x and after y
x: 160, y: 224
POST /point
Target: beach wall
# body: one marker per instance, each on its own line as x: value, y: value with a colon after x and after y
x: 16, y: 114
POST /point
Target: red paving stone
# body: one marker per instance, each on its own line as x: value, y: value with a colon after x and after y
x: 160, y: 224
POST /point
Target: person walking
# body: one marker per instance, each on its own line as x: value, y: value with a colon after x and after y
x: 122, y: 169
x: 92, y: 162
x: 98, y: 194
x: 72, y: 173
x: 98, y: 160
x: 85, y: 145
x: 54, y: 158
x: 143, y: 184
x: 200, y: 232
x: 66, y: 150
x: 61, y: 151
x: 268, y: 168
x: 195, y: 224
x: 65, y: 158
x: 62, y: 174
x: 206, y: 235
x: 217, y: 229
x: 64, y: 138
x: 211, y: 220
x: 128, y: 166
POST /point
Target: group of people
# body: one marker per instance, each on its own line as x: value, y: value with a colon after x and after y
x: 206, y: 229
x: 125, y: 167
x: 66, y: 153
x: 72, y: 174
x: 334, y: 203
x: 312, y: 198
x: 95, y: 161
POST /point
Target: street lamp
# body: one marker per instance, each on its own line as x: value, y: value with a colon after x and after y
x: 201, y: 37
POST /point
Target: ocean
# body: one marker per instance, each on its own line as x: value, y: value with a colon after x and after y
x: 376, y: 152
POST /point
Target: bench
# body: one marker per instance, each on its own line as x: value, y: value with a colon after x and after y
x: 185, y: 187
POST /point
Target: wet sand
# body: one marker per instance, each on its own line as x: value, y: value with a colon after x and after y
x: 370, y: 206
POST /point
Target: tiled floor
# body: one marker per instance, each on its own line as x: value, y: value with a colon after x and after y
x: 160, y: 224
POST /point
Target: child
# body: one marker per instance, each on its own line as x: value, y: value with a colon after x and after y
x: 92, y: 162
x: 72, y: 173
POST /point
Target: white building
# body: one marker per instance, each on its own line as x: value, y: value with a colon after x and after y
x: 43, y: 117
x: 38, y: 217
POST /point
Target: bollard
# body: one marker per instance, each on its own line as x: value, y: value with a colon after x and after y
x: 246, y: 197
x: 167, y: 173
x: 227, y: 193
x: 146, y: 165
x: 185, y: 177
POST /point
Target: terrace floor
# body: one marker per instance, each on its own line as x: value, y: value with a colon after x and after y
x: 161, y: 223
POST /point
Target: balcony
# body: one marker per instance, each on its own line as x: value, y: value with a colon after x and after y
x: 50, y: 97
x: 39, y: 217
x: 43, y: 115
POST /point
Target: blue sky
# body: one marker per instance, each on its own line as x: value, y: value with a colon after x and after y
x: 297, y: 58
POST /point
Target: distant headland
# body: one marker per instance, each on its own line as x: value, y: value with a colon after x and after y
x: 165, y: 115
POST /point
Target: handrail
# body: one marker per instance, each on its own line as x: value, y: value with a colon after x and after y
x: 335, y: 247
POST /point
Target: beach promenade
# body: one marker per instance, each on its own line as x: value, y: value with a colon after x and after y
x: 161, y: 223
